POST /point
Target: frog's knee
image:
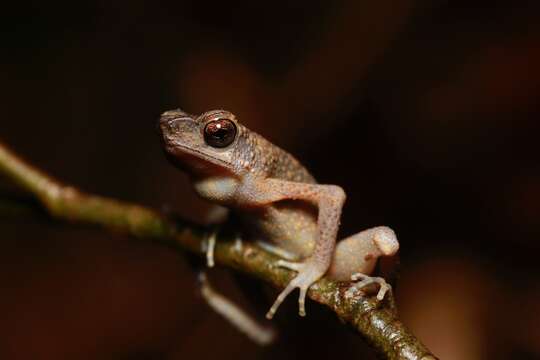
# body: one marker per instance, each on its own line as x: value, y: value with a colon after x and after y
x: 386, y: 240
x: 359, y: 253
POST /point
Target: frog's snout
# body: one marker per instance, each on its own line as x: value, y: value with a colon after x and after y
x: 172, y: 122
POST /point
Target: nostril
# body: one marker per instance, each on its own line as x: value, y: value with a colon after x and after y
x: 165, y: 119
x: 167, y: 126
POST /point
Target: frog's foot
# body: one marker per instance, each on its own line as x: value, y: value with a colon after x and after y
x: 366, y: 280
x: 210, y: 245
x: 308, y: 273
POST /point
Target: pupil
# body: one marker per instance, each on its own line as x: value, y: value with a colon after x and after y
x: 219, y: 133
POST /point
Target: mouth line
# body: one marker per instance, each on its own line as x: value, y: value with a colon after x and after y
x: 202, y: 155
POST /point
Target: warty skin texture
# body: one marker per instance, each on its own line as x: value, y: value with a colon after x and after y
x: 277, y: 199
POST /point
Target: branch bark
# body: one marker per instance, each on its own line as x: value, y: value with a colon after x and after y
x: 377, y: 322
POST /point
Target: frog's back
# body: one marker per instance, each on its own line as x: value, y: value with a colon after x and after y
x: 267, y: 160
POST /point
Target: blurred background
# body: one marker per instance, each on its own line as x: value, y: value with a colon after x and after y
x: 426, y: 112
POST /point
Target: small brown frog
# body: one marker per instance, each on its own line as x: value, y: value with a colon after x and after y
x: 277, y: 198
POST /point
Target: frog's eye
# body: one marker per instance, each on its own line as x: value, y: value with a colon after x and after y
x: 219, y: 133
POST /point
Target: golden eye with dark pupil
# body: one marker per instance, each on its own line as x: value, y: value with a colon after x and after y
x: 219, y: 133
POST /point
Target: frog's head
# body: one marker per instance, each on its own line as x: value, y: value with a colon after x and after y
x: 202, y: 145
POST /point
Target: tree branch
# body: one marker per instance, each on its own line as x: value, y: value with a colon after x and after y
x: 376, y: 321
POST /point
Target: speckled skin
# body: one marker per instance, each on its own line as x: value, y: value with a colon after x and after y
x: 277, y: 198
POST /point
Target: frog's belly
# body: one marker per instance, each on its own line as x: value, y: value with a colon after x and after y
x: 291, y: 226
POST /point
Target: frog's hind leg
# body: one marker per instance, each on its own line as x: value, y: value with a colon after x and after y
x: 355, y: 257
x: 235, y: 315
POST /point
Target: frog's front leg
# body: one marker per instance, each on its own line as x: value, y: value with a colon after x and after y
x: 329, y: 200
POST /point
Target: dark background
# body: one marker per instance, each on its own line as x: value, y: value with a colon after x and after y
x: 426, y: 112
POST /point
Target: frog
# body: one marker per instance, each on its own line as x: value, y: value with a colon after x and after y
x: 285, y: 210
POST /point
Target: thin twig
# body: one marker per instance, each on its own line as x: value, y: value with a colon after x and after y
x: 376, y: 321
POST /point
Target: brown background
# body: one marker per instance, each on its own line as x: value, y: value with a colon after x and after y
x: 426, y: 112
